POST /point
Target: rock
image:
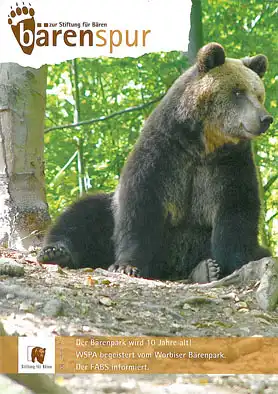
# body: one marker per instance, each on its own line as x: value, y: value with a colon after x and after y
x: 10, y: 267
x: 241, y: 304
x: 201, y: 300
x: 54, y: 268
x: 267, y: 293
x: 53, y: 308
x: 10, y: 296
x: 25, y: 307
x: 105, y: 301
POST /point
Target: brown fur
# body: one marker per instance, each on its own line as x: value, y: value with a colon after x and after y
x: 39, y: 354
x: 191, y: 171
x: 188, y: 191
x: 207, y: 53
x: 214, y: 138
x: 208, y: 98
x: 219, y: 82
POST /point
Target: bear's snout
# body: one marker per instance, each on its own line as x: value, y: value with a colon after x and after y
x: 265, y: 122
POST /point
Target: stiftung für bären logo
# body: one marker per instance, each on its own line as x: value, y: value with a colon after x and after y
x: 36, y: 354
x: 22, y: 22
x: 30, y: 34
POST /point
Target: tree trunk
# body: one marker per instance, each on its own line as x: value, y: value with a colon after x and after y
x: 23, y: 208
x: 196, y: 39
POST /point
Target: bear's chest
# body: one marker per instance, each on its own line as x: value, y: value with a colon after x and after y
x: 212, y: 183
x: 206, y: 194
x: 177, y: 190
x: 196, y: 188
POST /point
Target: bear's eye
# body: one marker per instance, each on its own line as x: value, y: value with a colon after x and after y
x: 238, y: 92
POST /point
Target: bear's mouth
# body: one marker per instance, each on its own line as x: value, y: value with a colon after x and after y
x: 247, y: 135
x: 263, y: 128
x: 250, y: 135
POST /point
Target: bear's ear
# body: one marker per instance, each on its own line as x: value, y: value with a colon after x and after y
x: 257, y: 63
x: 210, y: 56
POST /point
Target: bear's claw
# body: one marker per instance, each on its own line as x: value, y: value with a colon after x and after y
x: 125, y: 269
x: 55, y: 254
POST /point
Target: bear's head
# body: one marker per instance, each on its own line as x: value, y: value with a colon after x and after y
x: 227, y: 95
x: 39, y: 354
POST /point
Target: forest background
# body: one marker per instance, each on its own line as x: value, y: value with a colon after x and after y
x: 96, y: 107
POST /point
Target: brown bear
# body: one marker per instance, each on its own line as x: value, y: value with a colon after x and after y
x: 38, y: 353
x: 188, y: 191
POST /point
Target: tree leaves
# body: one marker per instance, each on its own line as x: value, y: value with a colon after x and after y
x: 108, y: 85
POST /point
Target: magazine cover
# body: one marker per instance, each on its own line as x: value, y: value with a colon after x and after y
x: 138, y: 196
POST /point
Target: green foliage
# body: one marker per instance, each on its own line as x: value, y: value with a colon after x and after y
x: 105, y: 86
x: 109, y: 85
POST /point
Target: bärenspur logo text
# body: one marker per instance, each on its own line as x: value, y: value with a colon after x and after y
x: 29, y: 33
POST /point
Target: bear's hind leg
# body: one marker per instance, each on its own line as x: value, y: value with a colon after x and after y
x: 185, y: 247
x: 205, y: 272
x: 235, y: 241
x: 82, y: 235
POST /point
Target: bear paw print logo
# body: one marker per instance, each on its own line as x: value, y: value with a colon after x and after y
x: 23, y: 24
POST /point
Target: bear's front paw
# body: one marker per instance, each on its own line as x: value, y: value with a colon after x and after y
x: 124, y: 269
x: 58, y: 254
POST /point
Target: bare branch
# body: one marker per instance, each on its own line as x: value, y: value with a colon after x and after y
x: 268, y: 185
x: 272, y: 217
x: 103, y: 118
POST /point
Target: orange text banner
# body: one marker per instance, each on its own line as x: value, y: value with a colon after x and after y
x: 166, y: 355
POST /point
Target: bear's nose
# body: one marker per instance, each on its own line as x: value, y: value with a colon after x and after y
x: 266, y: 119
